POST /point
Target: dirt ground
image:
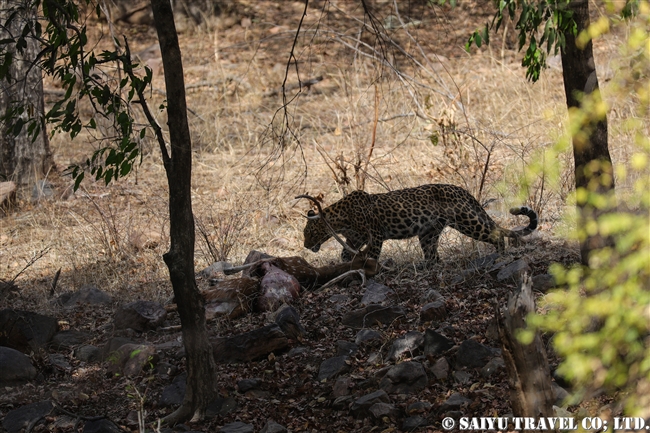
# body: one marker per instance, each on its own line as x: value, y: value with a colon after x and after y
x: 409, y: 91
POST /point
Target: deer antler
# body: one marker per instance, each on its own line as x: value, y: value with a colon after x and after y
x: 321, y: 215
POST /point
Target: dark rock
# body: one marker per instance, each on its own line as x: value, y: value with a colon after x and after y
x: 477, y: 266
x: 89, y: 295
x: 405, y: 378
x: 26, y: 331
x: 406, y: 344
x: 237, y: 427
x: 436, y: 344
x: 15, y: 367
x: 332, y: 367
x: 413, y: 422
x: 101, y: 426
x: 544, y: 282
x: 367, y: 336
x: 70, y: 339
x: 341, y: 387
x: 297, y: 351
x: 432, y: 295
x: 249, y: 345
x: 18, y: 419
x: 560, y: 394
x: 455, y: 401
x: 418, y: 407
x: 346, y: 348
x: 59, y: 361
x: 513, y: 271
x: 246, y: 385
x: 130, y: 359
x: 381, y: 410
x: 273, y: 427
x: 88, y: 353
x: 376, y: 293
x: 494, y: 365
x: 359, y: 408
x: 140, y: 316
x: 462, y: 377
x: 112, y: 345
x: 473, y: 354
x: 440, y: 369
x: 288, y: 319
x: 372, y: 315
x: 434, y: 311
x: 341, y: 403
x: 220, y: 407
x: 174, y: 394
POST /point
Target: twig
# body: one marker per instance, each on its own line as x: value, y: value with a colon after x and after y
x: 36, y: 257
x: 341, y: 277
x: 54, y: 281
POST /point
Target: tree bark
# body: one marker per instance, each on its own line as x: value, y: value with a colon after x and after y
x: 22, y: 159
x: 201, y: 369
x: 593, y: 164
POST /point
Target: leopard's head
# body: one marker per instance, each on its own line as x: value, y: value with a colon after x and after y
x: 316, y: 233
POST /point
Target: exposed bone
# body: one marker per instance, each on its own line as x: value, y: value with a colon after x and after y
x: 341, y: 277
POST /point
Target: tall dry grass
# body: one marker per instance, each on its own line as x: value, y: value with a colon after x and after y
x: 467, y: 119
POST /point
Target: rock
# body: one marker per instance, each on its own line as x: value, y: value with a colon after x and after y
x: 418, y: 407
x: 341, y: 387
x: 246, y: 385
x: 140, y: 316
x: 381, y: 410
x: 473, y: 354
x: 69, y: 339
x: 101, y: 426
x: 413, y: 422
x: 436, y: 344
x: 544, y: 282
x: 220, y: 407
x: 273, y: 427
x: 346, y: 348
x: 18, y: 419
x: 406, y: 344
x: 372, y: 315
x: 7, y: 195
x: 434, y: 311
x: 476, y: 266
x: 432, y: 295
x: 455, y: 401
x: 359, y: 408
x: 174, y: 394
x: 367, y: 337
x: 88, y: 353
x: 462, y: 377
x: 288, y: 320
x: 493, y: 365
x: 342, y: 402
x: 332, y: 367
x: 60, y: 362
x: 230, y: 298
x: 130, y: 359
x: 376, y: 293
x: 89, y: 295
x: 26, y: 331
x: 513, y: 271
x: 440, y: 369
x: 112, y: 345
x: 237, y: 427
x: 276, y: 288
x: 15, y: 367
x: 405, y: 378
x: 297, y: 351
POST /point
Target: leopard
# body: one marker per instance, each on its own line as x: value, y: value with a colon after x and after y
x: 422, y: 211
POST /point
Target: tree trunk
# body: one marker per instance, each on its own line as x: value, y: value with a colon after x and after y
x: 201, y: 368
x: 593, y: 165
x: 22, y: 159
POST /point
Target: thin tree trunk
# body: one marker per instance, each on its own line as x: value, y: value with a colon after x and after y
x: 593, y: 164
x: 22, y: 159
x: 201, y: 369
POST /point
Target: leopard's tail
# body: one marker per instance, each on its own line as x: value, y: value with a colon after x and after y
x: 532, y: 225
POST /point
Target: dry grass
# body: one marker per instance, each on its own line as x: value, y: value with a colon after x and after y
x: 114, y: 236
